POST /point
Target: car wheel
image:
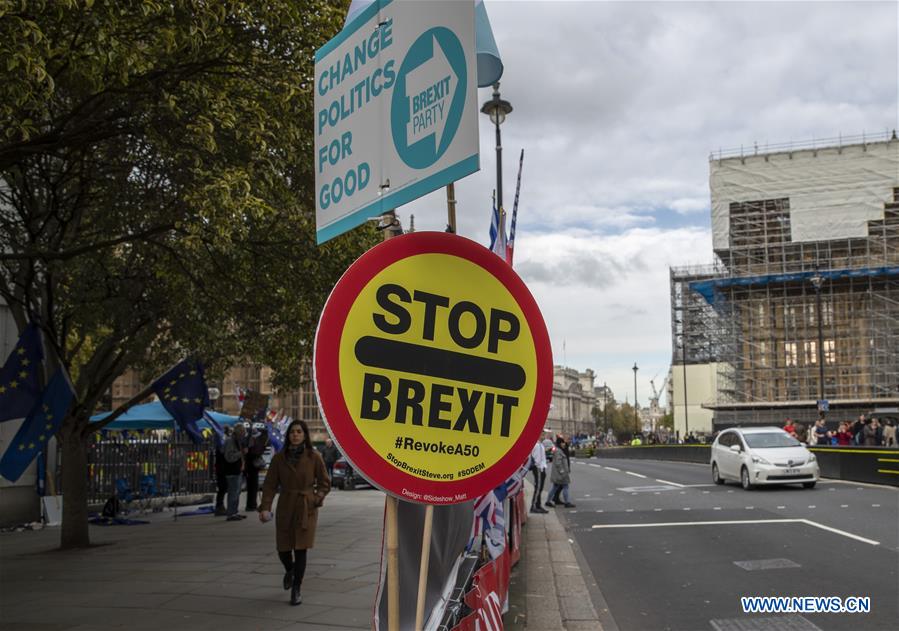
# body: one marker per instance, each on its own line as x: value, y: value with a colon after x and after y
x: 349, y: 484
x: 744, y: 479
x: 716, y: 477
x: 809, y: 485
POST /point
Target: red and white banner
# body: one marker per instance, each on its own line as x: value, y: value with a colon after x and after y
x: 487, y: 597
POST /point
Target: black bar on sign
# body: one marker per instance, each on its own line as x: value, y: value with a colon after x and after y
x: 436, y: 362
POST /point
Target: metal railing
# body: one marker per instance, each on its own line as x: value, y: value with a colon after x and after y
x: 148, y: 465
x: 757, y: 148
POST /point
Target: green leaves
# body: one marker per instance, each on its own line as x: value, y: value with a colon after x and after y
x: 156, y: 182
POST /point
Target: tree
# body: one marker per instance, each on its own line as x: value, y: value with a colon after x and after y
x: 156, y: 191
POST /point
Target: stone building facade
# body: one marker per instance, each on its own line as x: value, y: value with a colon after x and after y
x: 574, y: 397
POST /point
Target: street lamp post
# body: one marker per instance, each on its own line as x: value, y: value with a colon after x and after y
x: 497, y: 109
x: 635, y: 399
x: 817, y: 281
x: 605, y: 408
x: 683, y: 358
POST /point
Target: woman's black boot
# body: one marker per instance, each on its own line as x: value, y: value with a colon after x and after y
x: 288, y: 579
x: 295, y: 597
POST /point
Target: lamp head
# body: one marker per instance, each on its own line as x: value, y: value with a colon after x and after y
x: 496, y: 108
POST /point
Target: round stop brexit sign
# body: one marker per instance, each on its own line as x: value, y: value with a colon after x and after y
x: 433, y: 368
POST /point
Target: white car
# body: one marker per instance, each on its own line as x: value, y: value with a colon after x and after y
x: 762, y: 455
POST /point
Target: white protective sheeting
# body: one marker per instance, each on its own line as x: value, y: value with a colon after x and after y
x: 833, y: 191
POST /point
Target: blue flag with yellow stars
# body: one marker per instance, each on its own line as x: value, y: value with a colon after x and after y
x: 19, y: 388
x: 38, y: 428
x: 183, y: 393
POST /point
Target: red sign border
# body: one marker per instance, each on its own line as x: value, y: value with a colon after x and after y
x: 327, y: 374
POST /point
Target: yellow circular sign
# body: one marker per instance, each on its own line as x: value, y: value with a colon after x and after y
x: 438, y: 374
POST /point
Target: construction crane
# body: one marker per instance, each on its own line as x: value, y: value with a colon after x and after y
x: 656, y: 393
x: 655, y: 411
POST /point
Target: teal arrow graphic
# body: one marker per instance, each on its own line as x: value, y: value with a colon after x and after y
x: 428, y: 98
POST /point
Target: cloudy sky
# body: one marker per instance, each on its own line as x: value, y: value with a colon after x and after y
x: 618, y: 106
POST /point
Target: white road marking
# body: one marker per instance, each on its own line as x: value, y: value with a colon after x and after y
x: 598, y: 466
x: 686, y: 509
x: 844, y: 505
x: 637, y: 475
x: 839, y: 532
x: 875, y: 505
x: 613, y: 469
x: 717, y: 508
x: 750, y: 508
x: 781, y: 507
x: 807, y: 522
x: 629, y: 510
x: 658, y: 510
x: 811, y: 506
x: 671, y: 483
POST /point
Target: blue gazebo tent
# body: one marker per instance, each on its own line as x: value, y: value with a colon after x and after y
x: 154, y: 416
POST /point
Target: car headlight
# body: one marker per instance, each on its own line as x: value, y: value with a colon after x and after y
x: 759, y: 460
x: 812, y: 457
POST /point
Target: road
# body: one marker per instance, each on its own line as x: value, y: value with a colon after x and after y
x: 668, y: 549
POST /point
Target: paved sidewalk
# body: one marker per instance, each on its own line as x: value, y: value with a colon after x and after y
x: 556, y: 596
x: 199, y: 572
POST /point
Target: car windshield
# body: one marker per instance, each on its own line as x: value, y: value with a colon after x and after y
x: 770, y: 439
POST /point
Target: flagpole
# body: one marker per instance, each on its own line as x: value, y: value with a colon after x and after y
x: 137, y: 398
x: 423, y: 569
x: 393, y: 570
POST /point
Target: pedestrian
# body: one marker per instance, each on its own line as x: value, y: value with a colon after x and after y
x: 869, y: 433
x: 235, y: 450
x: 330, y: 455
x: 789, y: 428
x: 298, y: 474
x: 889, y: 434
x: 221, y: 482
x: 844, y: 436
x: 538, y: 468
x: 822, y: 436
x: 560, y: 475
x: 253, y: 462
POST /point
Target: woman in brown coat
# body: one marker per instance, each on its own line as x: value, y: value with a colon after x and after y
x: 298, y: 474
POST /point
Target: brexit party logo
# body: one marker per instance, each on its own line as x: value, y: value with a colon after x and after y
x: 428, y: 98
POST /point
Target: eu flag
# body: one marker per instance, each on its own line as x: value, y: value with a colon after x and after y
x: 183, y: 393
x: 19, y: 388
x: 39, y: 427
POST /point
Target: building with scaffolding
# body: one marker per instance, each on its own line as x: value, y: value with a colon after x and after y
x: 800, y: 309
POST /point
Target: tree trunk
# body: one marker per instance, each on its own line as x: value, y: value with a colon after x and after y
x: 74, y: 491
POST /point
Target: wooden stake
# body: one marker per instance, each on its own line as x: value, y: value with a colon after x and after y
x: 393, y: 570
x: 425, y: 560
x: 451, y: 207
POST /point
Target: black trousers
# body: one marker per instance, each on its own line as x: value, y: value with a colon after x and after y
x: 252, y: 474
x: 221, y: 489
x: 539, y: 480
x: 295, y: 561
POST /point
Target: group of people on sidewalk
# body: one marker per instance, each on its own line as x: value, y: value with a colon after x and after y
x: 867, y: 432
x: 559, y: 477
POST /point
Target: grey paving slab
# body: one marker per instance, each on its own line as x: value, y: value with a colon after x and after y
x: 556, y: 595
x: 194, y: 573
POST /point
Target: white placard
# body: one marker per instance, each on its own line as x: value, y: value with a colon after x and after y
x: 395, y: 110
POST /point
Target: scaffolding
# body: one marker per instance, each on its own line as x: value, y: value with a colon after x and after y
x: 775, y: 313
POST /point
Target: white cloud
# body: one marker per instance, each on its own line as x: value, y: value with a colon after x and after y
x: 618, y: 106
